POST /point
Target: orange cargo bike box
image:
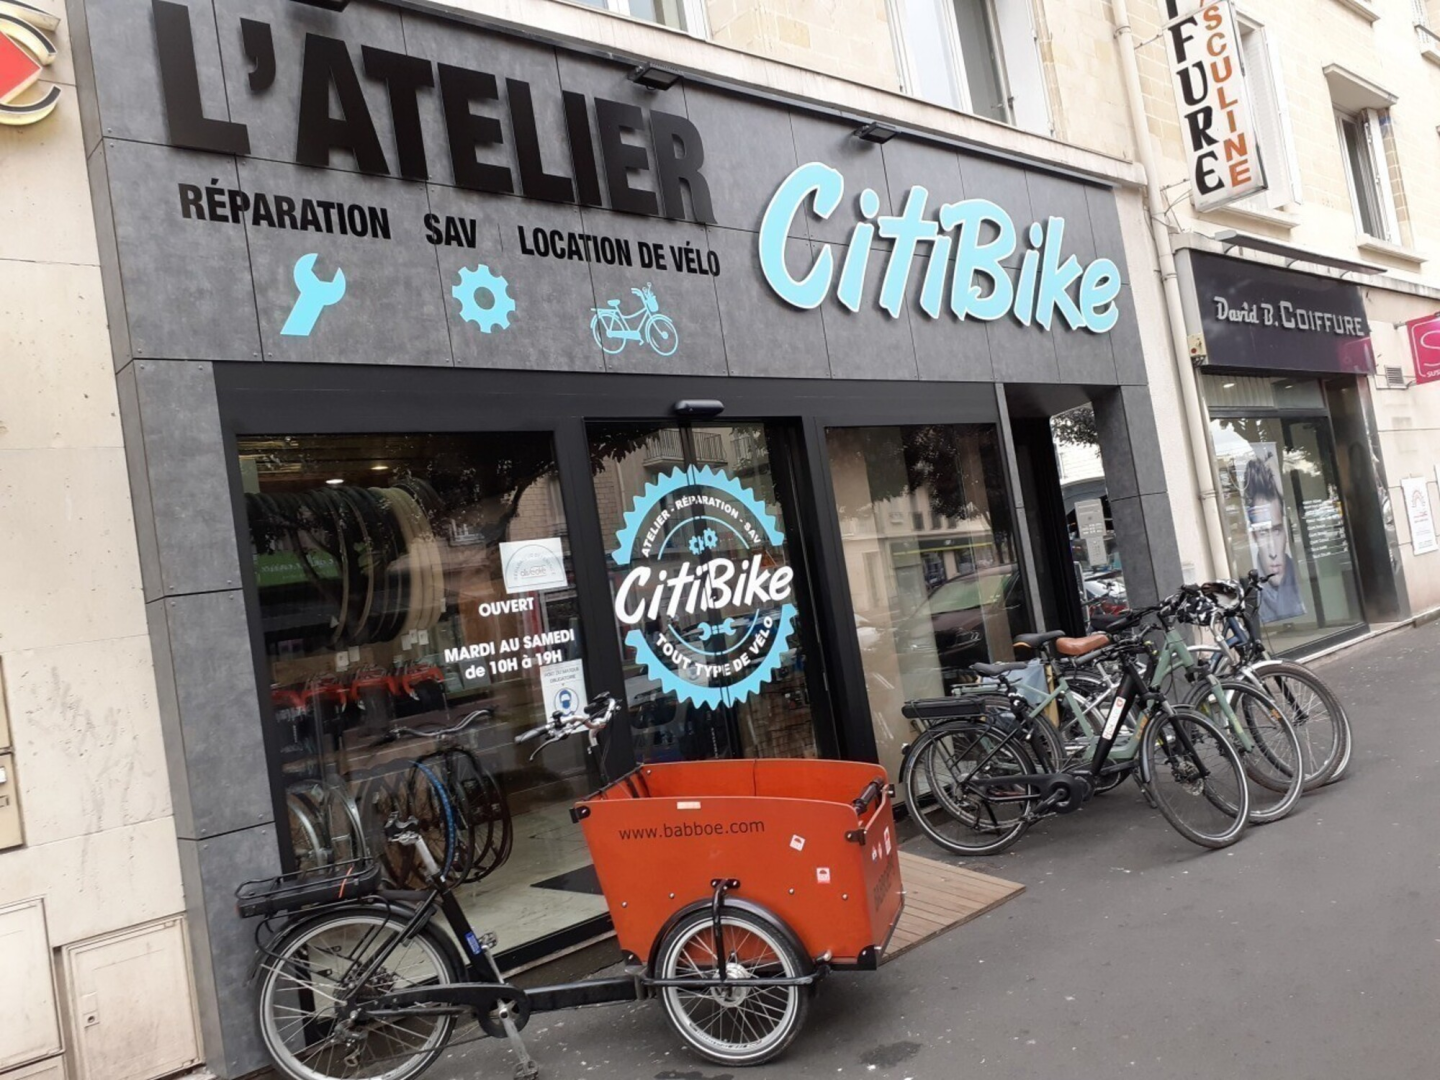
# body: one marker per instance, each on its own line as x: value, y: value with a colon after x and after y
x: 811, y: 844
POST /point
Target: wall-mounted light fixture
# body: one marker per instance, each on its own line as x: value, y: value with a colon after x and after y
x: 328, y: 5
x: 652, y: 77
x: 699, y: 407
x: 876, y: 132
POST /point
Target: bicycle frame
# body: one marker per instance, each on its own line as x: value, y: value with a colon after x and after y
x: 1175, y: 656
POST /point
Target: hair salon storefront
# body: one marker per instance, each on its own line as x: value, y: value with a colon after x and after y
x: 465, y: 382
x: 1296, y: 452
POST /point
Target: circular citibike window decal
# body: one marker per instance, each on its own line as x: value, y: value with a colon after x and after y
x: 709, y: 610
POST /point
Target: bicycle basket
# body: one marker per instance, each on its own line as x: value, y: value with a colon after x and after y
x: 325, y: 885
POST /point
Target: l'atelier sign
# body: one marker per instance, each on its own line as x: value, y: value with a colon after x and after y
x: 326, y: 65
x: 1257, y: 316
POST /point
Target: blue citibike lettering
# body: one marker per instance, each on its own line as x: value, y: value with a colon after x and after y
x: 613, y: 329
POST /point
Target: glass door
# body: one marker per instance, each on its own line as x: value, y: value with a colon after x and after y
x: 708, y: 586
x: 1284, y: 516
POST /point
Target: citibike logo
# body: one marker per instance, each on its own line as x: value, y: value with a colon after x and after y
x: 613, y: 329
x: 710, y: 613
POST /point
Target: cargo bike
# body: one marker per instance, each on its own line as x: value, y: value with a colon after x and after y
x: 734, y: 888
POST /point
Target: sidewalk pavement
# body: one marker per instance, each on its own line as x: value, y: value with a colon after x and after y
x: 1310, y: 949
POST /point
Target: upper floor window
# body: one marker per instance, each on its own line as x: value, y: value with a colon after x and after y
x: 1372, y: 173
x: 1365, y: 171
x: 1260, y: 61
x: 976, y: 56
x: 686, y: 15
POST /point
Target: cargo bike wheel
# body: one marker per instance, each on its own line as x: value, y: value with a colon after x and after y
x: 733, y: 1025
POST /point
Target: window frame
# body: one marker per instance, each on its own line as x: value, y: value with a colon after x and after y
x: 960, y: 82
x: 1285, y: 157
x: 697, y: 21
x: 1368, y: 124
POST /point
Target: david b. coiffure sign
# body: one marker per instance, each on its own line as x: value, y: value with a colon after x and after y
x: 1215, y: 121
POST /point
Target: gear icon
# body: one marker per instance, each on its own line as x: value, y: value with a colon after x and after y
x: 703, y: 542
x: 502, y: 306
x: 697, y: 545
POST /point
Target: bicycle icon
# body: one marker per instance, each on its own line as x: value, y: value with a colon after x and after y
x: 613, y: 329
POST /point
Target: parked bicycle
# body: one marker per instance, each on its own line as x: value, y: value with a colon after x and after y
x: 360, y: 981
x: 975, y: 783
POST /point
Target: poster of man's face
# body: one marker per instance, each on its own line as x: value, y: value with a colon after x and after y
x: 1263, y: 494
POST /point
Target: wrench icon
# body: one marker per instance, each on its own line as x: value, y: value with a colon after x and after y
x: 315, y: 296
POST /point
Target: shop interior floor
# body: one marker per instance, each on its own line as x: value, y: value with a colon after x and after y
x: 941, y: 896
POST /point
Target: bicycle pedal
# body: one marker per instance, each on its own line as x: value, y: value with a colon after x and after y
x: 488, y: 940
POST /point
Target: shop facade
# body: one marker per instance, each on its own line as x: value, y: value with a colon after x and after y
x: 1296, y: 448
x: 465, y: 375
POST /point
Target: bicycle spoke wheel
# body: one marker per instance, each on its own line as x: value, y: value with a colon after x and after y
x: 946, y: 803
x: 1267, y: 743
x: 733, y: 1025
x: 1195, y: 778
x: 311, y: 973
x: 1318, y: 717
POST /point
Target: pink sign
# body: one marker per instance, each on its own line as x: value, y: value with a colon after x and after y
x: 1425, y: 347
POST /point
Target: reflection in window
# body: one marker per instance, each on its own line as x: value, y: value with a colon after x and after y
x: 929, y: 602
x: 1094, y: 552
x: 406, y: 583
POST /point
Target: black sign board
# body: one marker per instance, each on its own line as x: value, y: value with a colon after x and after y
x: 1264, y: 318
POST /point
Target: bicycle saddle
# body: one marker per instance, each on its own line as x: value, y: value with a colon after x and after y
x: 991, y: 670
x: 1080, y: 646
x: 1036, y: 642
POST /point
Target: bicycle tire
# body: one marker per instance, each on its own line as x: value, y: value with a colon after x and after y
x: 296, y: 1011
x: 1322, y: 767
x: 938, y: 764
x: 306, y: 833
x: 485, y: 803
x: 1275, y: 763
x: 602, y: 339
x: 1181, y: 735
x: 755, y: 944
x: 442, y: 820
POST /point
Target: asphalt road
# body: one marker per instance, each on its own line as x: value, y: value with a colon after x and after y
x: 1309, y: 949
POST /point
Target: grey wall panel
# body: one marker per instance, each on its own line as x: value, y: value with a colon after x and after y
x: 189, y: 485
x: 749, y: 151
x: 908, y: 164
x: 687, y: 299
x: 186, y: 282
x: 219, y: 714
x: 1144, y: 440
x: 1050, y: 197
x: 869, y: 343
x: 1136, y: 556
x: 505, y: 58
x: 1125, y: 341
x: 861, y: 163
x: 1116, y: 450
x: 763, y: 334
x: 109, y: 251
x: 1022, y: 354
x: 603, y: 79
x: 1105, y: 227
x: 271, y: 116
x: 392, y: 310
x: 1005, y: 186
x: 947, y: 348
x: 138, y: 469
x: 78, y: 26
x: 550, y: 327
x: 171, y: 727
x: 222, y: 946
x: 1164, y: 549
x: 1084, y: 357
x: 127, y: 70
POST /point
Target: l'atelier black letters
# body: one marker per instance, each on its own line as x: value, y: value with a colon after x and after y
x: 471, y: 104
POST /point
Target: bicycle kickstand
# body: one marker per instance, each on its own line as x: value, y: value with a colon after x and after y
x: 526, y: 1068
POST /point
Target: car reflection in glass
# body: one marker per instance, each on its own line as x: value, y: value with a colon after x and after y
x: 948, y: 628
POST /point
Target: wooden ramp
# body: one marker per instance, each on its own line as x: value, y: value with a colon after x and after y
x: 940, y: 897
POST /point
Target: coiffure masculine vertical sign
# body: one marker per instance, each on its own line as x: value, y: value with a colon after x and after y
x: 1215, y: 120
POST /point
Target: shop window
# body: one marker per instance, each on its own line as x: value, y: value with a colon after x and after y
x: 928, y: 603
x: 1281, y: 503
x: 417, y: 605
x: 708, y: 674
x: 977, y: 56
x: 1261, y: 62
